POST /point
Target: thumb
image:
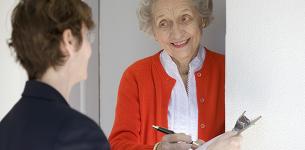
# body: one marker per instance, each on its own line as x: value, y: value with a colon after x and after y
x: 228, y: 134
x: 197, y: 143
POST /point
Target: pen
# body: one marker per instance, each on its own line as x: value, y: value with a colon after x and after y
x: 167, y: 131
x: 163, y: 130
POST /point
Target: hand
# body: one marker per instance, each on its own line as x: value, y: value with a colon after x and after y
x: 179, y: 141
x: 199, y: 142
x: 227, y: 141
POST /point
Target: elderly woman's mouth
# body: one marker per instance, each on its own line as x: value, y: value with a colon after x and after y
x: 180, y: 44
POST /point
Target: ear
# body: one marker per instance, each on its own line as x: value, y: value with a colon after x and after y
x: 203, y: 23
x: 67, y: 45
x: 154, y: 35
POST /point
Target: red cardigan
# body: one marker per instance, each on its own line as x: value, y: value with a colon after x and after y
x: 144, y: 95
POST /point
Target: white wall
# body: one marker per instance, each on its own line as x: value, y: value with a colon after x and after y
x: 122, y: 43
x: 12, y: 76
x: 265, y: 54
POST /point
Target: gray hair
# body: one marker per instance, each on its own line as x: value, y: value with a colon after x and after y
x: 204, y: 7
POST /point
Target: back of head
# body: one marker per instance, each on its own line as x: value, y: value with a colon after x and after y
x: 37, y: 29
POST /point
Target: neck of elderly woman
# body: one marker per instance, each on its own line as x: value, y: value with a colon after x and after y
x: 183, y: 64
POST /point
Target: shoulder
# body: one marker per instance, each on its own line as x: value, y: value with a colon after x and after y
x: 78, y: 130
x: 142, y: 67
x: 215, y: 56
x: 76, y: 120
x: 73, y: 116
x: 215, y: 59
x: 144, y: 63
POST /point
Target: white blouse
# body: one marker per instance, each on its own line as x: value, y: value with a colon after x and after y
x: 183, y: 109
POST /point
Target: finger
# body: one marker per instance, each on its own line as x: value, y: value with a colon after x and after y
x: 174, y: 146
x: 178, y: 137
x: 238, y: 136
x: 228, y: 134
x: 197, y: 144
x: 199, y: 141
x: 235, y: 141
x: 181, y: 146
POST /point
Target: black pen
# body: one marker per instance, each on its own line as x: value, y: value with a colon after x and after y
x: 163, y: 130
x: 167, y: 131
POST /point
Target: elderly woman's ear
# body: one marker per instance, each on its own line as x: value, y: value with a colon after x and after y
x: 155, y: 36
x: 203, y: 23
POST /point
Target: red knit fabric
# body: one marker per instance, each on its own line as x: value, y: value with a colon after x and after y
x: 144, y: 95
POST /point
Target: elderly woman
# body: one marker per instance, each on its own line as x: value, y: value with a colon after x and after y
x: 180, y: 88
x: 50, y: 40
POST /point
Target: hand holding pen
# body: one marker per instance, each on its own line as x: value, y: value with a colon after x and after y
x: 177, y: 141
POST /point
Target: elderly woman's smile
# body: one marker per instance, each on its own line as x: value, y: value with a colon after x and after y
x: 180, y: 44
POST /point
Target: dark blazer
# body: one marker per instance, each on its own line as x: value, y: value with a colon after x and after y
x: 43, y: 120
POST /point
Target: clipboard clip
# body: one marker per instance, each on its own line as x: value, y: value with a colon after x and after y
x: 244, y: 123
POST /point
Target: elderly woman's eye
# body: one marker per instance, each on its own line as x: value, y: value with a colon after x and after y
x: 186, y: 18
x: 163, y: 24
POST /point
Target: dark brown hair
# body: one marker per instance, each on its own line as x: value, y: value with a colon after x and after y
x: 37, y: 29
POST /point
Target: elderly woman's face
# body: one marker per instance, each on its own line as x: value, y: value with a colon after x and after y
x: 176, y: 27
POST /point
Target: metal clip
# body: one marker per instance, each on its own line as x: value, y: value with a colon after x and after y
x: 244, y: 123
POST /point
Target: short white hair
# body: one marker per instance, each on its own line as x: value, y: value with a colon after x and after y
x: 144, y: 13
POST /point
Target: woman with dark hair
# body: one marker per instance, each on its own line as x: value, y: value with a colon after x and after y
x: 50, y: 39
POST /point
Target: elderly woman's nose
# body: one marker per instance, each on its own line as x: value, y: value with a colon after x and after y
x: 177, y: 32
